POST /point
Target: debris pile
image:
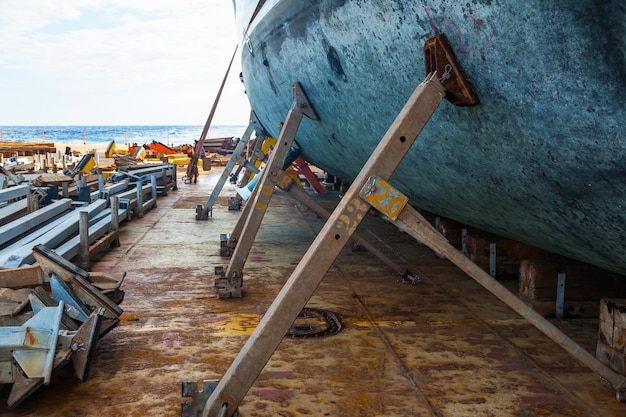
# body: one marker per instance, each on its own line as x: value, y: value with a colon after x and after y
x: 52, y: 311
x: 46, y: 324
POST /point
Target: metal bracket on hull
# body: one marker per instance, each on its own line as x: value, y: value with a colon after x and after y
x: 229, y: 282
x: 194, y: 407
x: 440, y: 59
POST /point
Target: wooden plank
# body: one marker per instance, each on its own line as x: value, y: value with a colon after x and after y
x: 13, y: 301
x: 611, y: 347
x: 612, y: 358
x: 105, y: 242
x: 26, y: 148
x: 24, y: 277
x: 612, y: 323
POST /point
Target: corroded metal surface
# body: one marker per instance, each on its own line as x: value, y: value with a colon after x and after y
x: 539, y: 160
x: 444, y: 347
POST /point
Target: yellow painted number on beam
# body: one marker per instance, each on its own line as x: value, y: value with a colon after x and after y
x: 380, y: 195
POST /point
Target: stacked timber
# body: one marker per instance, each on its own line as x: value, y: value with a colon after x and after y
x: 611, y: 347
x: 30, y: 157
x: 48, y: 220
x: 8, y: 149
x: 221, y: 146
x: 537, y: 271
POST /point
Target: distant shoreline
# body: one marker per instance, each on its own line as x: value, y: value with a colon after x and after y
x: 122, y: 135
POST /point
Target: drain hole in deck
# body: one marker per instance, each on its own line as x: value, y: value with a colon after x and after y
x: 314, y: 322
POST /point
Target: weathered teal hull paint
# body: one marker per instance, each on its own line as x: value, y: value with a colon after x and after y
x: 542, y: 158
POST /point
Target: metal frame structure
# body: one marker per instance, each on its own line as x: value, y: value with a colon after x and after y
x: 206, y: 211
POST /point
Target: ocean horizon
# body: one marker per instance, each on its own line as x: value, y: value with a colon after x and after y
x: 68, y: 135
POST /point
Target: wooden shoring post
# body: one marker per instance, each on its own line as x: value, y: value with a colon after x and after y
x: 323, y: 251
x: 229, y: 283
x: 231, y: 242
x: 115, y: 209
x: 83, y: 232
x: 206, y: 211
x: 241, y: 222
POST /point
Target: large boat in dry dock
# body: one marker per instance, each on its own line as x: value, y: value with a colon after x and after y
x: 539, y: 160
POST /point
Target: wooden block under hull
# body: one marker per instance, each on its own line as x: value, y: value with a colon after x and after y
x: 612, y: 323
x: 612, y: 358
x: 538, y: 281
x: 611, y: 348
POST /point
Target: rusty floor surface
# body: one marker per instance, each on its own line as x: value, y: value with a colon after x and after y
x: 442, y: 347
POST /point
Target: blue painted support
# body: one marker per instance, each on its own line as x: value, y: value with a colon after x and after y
x: 34, y: 354
x: 61, y: 293
x: 492, y: 260
x: 463, y: 244
x: 203, y: 213
x: 560, y: 294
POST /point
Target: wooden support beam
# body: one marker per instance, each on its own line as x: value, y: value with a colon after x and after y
x: 323, y: 252
x: 411, y: 222
x: 341, y: 225
x: 230, y: 283
x: 206, y: 211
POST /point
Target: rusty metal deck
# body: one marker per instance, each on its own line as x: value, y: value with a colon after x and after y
x: 443, y: 347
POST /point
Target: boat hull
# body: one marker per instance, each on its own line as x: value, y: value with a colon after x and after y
x: 540, y: 160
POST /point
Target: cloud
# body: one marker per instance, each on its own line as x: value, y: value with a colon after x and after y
x: 116, y: 52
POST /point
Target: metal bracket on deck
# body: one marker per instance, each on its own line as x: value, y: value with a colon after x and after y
x: 81, y: 298
x: 33, y: 347
x: 194, y: 407
x: 230, y: 285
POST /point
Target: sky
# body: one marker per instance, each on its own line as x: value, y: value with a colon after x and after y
x: 118, y: 62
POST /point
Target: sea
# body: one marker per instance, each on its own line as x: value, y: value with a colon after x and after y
x: 122, y: 135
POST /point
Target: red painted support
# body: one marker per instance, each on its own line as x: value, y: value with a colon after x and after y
x: 303, y: 167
